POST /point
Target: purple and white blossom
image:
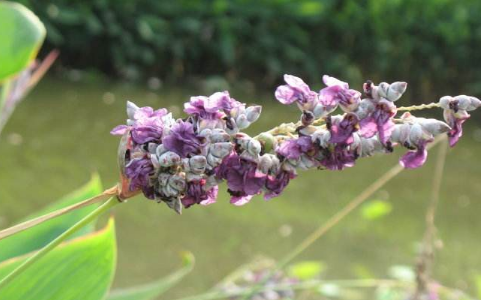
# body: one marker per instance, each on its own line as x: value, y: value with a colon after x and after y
x: 182, y: 162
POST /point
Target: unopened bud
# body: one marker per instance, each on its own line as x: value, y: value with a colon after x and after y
x: 253, y: 113
x: 221, y: 150
x: 169, y: 159
x: 268, y: 141
x: 321, y: 137
x: 197, y: 164
x: 242, y: 121
x: 131, y: 109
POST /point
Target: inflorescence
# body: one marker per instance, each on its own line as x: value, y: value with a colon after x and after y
x: 181, y: 162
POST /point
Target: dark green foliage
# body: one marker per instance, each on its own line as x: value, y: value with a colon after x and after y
x: 429, y: 43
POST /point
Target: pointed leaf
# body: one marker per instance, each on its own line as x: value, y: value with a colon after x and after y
x: 154, y: 289
x: 40, y: 235
x: 22, y: 34
x: 79, y: 269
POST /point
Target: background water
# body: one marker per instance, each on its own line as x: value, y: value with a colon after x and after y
x: 60, y: 134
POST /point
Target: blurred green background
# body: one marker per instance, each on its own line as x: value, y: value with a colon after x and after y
x: 158, y: 53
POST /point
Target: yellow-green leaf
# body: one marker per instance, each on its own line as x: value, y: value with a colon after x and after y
x: 82, y: 268
x: 40, y: 235
x: 21, y: 35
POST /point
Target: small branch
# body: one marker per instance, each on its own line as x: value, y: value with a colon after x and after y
x: 33, y: 222
x: 419, y: 107
x: 334, y: 220
x: 426, y: 257
x: 50, y: 246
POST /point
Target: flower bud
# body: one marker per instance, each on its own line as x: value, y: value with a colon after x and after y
x: 220, y: 150
x: 160, y: 150
x: 131, y: 109
x: 433, y: 126
x: 169, y: 159
x: 268, y: 141
x: 269, y: 164
x: 321, y: 111
x: 444, y: 101
x: 400, y: 133
x: 213, y: 161
x: 242, y: 121
x: 321, y: 137
x: 393, y: 91
x: 467, y: 103
x: 219, y: 135
x: 197, y: 164
x: 177, y: 182
x: 253, y: 113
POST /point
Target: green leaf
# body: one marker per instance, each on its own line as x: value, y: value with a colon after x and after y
x: 40, y: 235
x: 22, y: 34
x: 306, y: 270
x: 156, y: 288
x: 79, y: 269
x: 375, y: 209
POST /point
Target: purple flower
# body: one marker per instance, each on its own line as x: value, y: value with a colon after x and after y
x: 295, y: 90
x: 276, y: 184
x: 196, y: 194
x: 243, y: 179
x: 415, y: 159
x: 293, y: 148
x: 139, y: 170
x: 414, y: 137
x: 146, y: 124
x: 338, y: 158
x: 182, y: 139
x: 211, y: 107
x: 342, y: 130
x: 379, y: 121
x: 338, y: 92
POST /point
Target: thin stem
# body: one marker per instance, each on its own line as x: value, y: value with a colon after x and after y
x: 419, y: 107
x: 334, y: 220
x: 425, y: 260
x: 50, y: 246
x: 33, y: 222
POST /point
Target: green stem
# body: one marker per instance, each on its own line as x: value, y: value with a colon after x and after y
x: 50, y: 246
x: 419, y: 107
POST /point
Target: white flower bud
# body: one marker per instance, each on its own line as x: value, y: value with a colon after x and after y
x: 213, y: 161
x: 242, y: 121
x: 131, y: 109
x: 444, y: 101
x: 418, y: 134
x: 160, y: 150
x: 400, y: 133
x: 370, y: 146
x: 365, y: 108
x: 393, y: 91
x: 218, y: 135
x: 433, y: 126
x: 321, y: 111
x: 169, y: 159
x: 152, y: 148
x: 269, y: 164
x: 155, y: 161
x: 321, y: 137
x: 220, y: 150
x: 467, y: 103
x: 177, y: 183
x: 197, y: 164
x: 237, y: 111
x: 253, y: 113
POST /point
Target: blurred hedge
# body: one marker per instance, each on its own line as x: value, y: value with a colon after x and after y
x: 429, y: 42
